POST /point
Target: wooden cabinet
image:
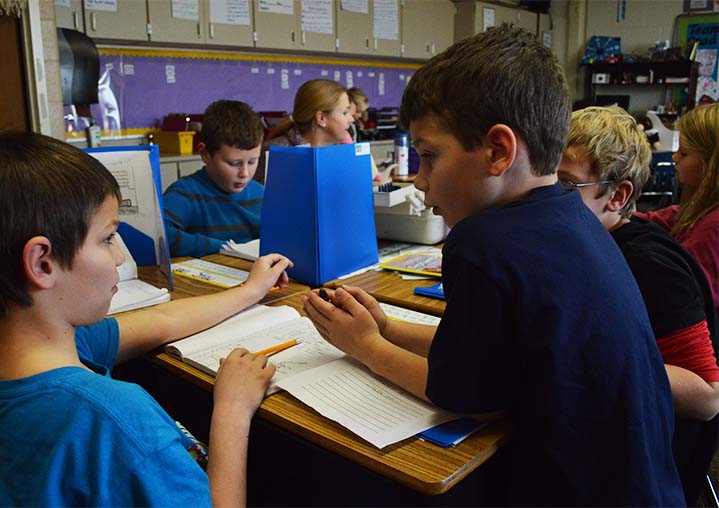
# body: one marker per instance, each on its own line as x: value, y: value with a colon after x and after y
x: 293, y: 24
x: 69, y: 15
x: 475, y: 17
x: 354, y: 30
x: 122, y: 20
x: 427, y: 27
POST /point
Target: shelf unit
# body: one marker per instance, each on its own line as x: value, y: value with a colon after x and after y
x: 658, y: 74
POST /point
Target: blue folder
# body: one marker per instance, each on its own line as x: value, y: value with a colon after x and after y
x: 318, y: 210
x: 451, y: 433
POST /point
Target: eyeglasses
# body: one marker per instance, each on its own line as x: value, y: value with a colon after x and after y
x: 568, y: 184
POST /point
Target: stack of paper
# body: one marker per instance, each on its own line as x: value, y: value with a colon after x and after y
x: 249, y: 250
x: 212, y: 273
x: 133, y: 293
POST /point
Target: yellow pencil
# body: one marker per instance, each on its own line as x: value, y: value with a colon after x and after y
x: 277, y: 348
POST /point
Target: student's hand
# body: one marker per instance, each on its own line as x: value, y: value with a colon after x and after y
x: 366, y: 300
x: 268, y: 271
x: 241, y: 383
x: 345, y: 322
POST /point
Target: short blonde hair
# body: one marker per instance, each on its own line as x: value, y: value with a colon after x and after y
x: 698, y: 131
x: 617, y: 147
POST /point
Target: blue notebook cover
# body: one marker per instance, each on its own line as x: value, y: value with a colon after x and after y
x: 451, y: 433
x: 433, y: 291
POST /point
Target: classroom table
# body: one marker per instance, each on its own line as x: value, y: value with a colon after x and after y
x: 389, y: 287
x: 291, y: 444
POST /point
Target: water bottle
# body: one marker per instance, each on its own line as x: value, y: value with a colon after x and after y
x: 401, y: 154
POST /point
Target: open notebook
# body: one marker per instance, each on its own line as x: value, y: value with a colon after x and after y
x: 316, y: 372
x: 132, y: 292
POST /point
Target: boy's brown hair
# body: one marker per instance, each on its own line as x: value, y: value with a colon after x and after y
x: 231, y: 123
x: 47, y: 188
x: 502, y: 76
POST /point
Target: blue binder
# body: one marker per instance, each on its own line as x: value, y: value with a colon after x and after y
x: 318, y: 210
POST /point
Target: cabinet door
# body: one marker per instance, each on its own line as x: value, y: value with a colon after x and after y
x: 443, y: 25
x: 354, y: 30
x: 544, y: 30
x: 317, y: 24
x: 526, y: 19
x: 418, y: 18
x: 176, y: 21
x: 228, y: 22
x: 387, y: 28
x: 69, y: 15
x: 276, y: 23
x: 116, y: 20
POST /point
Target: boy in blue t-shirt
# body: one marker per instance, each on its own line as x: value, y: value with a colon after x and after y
x: 220, y: 201
x: 544, y: 321
x: 71, y: 435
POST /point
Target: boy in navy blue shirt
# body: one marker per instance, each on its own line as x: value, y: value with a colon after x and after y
x: 543, y: 321
x: 71, y: 435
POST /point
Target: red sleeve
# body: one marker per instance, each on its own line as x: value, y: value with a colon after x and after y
x: 691, y: 349
x: 664, y: 217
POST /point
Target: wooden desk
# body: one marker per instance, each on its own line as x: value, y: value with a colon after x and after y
x: 389, y: 287
x: 422, y: 467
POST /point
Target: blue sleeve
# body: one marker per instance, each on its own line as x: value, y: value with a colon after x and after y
x: 178, y: 215
x: 98, y: 343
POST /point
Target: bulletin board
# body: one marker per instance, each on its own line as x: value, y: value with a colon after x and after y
x: 138, y: 87
x: 703, y: 28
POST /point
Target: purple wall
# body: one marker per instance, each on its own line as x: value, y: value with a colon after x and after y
x: 142, y: 87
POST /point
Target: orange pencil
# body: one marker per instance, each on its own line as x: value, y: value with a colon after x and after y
x: 277, y: 348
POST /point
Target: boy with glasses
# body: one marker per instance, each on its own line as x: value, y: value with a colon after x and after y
x: 543, y: 320
x: 607, y: 159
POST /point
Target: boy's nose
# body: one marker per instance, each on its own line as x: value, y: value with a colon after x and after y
x: 119, y: 255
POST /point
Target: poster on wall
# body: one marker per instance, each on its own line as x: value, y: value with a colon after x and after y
x: 704, y: 31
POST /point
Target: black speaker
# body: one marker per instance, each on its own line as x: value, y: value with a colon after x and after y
x: 79, y: 67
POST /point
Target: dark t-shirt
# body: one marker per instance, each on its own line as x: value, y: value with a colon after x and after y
x: 677, y: 295
x: 544, y: 320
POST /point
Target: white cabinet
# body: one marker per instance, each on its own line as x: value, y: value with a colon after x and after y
x: 121, y: 20
x: 212, y: 22
x: 69, y: 15
x: 427, y: 27
x: 475, y: 17
x: 375, y: 31
x: 307, y: 25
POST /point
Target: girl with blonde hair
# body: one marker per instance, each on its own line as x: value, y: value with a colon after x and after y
x: 695, y: 221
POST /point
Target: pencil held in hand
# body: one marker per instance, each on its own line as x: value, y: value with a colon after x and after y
x: 277, y: 348
x: 324, y: 295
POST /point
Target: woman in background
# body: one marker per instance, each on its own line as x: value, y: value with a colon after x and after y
x: 695, y: 221
x: 359, y: 102
x: 321, y: 117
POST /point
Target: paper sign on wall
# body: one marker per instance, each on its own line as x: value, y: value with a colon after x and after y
x: 277, y: 6
x: 317, y: 16
x: 386, y: 20
x: 101, y: 5
x: 230, y: 12
x: 186, y: 9
x: 487, y: 18
x: 361, y: 6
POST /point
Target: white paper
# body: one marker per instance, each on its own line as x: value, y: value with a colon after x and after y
x: 140, y: 206
x: 230, y: 12
x: 101, y: 5
x: 317, y: 16
x: 410, y: 316
x: 487, y: 18
x: 380, y: 84
x: 212, y: 273
x: 547, y: 39
x: 349, y: 80
x: 256, y: 329
x: 386, y: 20
x: 367, y: 405
x: 277, y: 6
x: 361, y: 6
x: 128, y: 69
x: 186, y: 9
x: 249, y: 250
x: 135, y: 294
x: 169, y: 73
x: 284, y: 79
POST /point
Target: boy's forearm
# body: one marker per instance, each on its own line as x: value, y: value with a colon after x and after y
x: 150, y: 328
x: 693, y: 397
x: 227, y: 459
x: 398, y: 365
x: 413, y: 337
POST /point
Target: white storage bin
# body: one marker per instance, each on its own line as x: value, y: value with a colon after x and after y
x: 396, y: 223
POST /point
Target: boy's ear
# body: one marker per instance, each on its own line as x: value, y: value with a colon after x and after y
x: 204, y: 154
x: 620, y: 195
x: 40, y: 269
x: 502, y: 145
